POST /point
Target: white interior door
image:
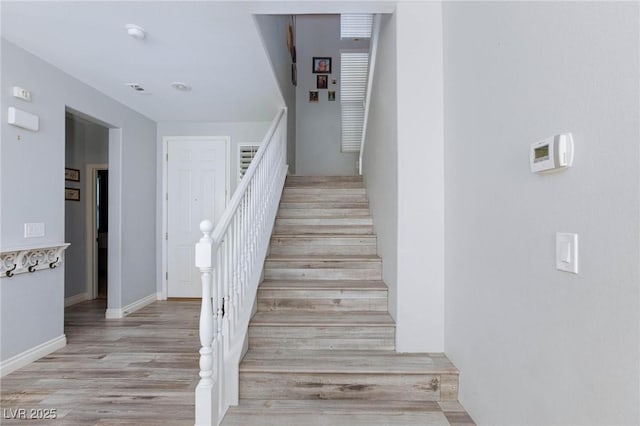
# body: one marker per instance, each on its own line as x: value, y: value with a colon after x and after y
x: 196, y: 190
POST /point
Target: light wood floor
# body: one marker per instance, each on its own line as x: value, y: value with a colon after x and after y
x: 143, y: 370
x: 140, y: 370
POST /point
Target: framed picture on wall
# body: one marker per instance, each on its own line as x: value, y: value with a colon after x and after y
x: 294, y: 74
x: 313, y: 96
x: 321, y: 65
x: 72, y: 175
x: 332, y: 95
x: 322, y: 81
x: 72, y: 194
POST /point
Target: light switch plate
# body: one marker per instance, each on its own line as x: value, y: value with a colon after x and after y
x: 32, y: 230
x: 567, y: 252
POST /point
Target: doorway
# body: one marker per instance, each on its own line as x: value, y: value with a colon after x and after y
x: 86, y: 152
x: 196, y: 187
x: 97, y: 229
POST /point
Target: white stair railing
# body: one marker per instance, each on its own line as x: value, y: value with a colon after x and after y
x: 230, y: 258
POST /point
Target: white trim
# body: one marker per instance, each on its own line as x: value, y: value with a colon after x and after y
x: 27, y: 357
x: 75, y: 299
x: 373, y: 56
x: 165, y: 204
x: 116, y: 313
x: 90, y: 233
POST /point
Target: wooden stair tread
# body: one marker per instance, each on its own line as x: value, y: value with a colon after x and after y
x: 324, y: 205
x: 323, y: 212
x: 324, y: 229
x: 322, y: 319
x: 334, y: 406
x: 323, y: 285
x: 346, y: 362
x: 275, y: 236
x: 335, y: 412
x: 324, y: 258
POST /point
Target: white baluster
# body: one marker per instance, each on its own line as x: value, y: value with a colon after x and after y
x: 206, y: 395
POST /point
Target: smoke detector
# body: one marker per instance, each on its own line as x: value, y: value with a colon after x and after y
x: 135, y: 31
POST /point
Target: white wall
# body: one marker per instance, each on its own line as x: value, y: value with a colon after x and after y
x: 536, y: 345
x: 380, y: 157
x: 318, y: 123
x: 32, y: 305
x: 420, y: 178
x: 273, y: 29
x: 404, y: 169
x: 86, y: 143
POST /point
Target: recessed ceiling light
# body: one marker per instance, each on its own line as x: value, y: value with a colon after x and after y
x: 183, y: 87
x: 135, y: 31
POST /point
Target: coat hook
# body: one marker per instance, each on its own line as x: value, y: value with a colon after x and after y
x: 9, y: 273
x: 32, y: 268
x: 54, y: 264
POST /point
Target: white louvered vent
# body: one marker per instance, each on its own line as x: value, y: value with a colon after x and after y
x: 246, y: 152
x: 356, y: 25
x: 353, y: 82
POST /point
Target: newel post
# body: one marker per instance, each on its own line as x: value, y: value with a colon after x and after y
x: 206, y: 391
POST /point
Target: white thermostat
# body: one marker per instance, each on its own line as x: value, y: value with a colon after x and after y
x: 551, y: 154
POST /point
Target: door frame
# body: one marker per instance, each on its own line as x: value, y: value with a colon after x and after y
x: 91, y: 234
x: 165, y: 202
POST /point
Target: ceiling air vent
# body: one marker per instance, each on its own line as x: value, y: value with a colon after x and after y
x: 136, y: 86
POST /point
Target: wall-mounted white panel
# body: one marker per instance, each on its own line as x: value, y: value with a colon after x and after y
x: 26, y: 120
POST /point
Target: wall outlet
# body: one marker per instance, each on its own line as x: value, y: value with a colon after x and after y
x: 33, y: 230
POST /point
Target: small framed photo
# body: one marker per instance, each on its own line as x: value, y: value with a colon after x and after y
x: 72, y: 174
x: 313, y: 96
x: 332, y: 95
x: 321, y: 65
x: 72, y: 194
x: 322, y: 81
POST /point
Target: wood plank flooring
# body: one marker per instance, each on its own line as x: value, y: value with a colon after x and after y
x: 140, y: 370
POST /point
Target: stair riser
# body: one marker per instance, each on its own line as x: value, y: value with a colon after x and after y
x: 324, y: 249
x: 323, y: 230
x: 306, y: 204
x: 289, y: 213
x: 322, y: 338
x: 328, y: 221
x: 320, y: 192
x: 273, y: 273
x: 322, y: 300
x: 323, y: 245
x: 327, y: 199
x: 294, y: 180
x: 375, y: 387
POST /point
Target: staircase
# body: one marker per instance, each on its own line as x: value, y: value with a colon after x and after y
x: 322, y: 344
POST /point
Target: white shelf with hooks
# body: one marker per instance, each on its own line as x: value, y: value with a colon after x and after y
x: 19, y: 260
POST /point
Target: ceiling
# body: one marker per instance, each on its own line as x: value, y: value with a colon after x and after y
x: 213, y: 46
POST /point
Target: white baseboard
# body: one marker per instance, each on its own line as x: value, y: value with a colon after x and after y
x: 27, y: 357
x: 115, y: 313
x: 72, y: 300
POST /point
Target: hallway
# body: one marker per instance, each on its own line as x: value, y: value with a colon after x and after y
x: 140, y: 370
